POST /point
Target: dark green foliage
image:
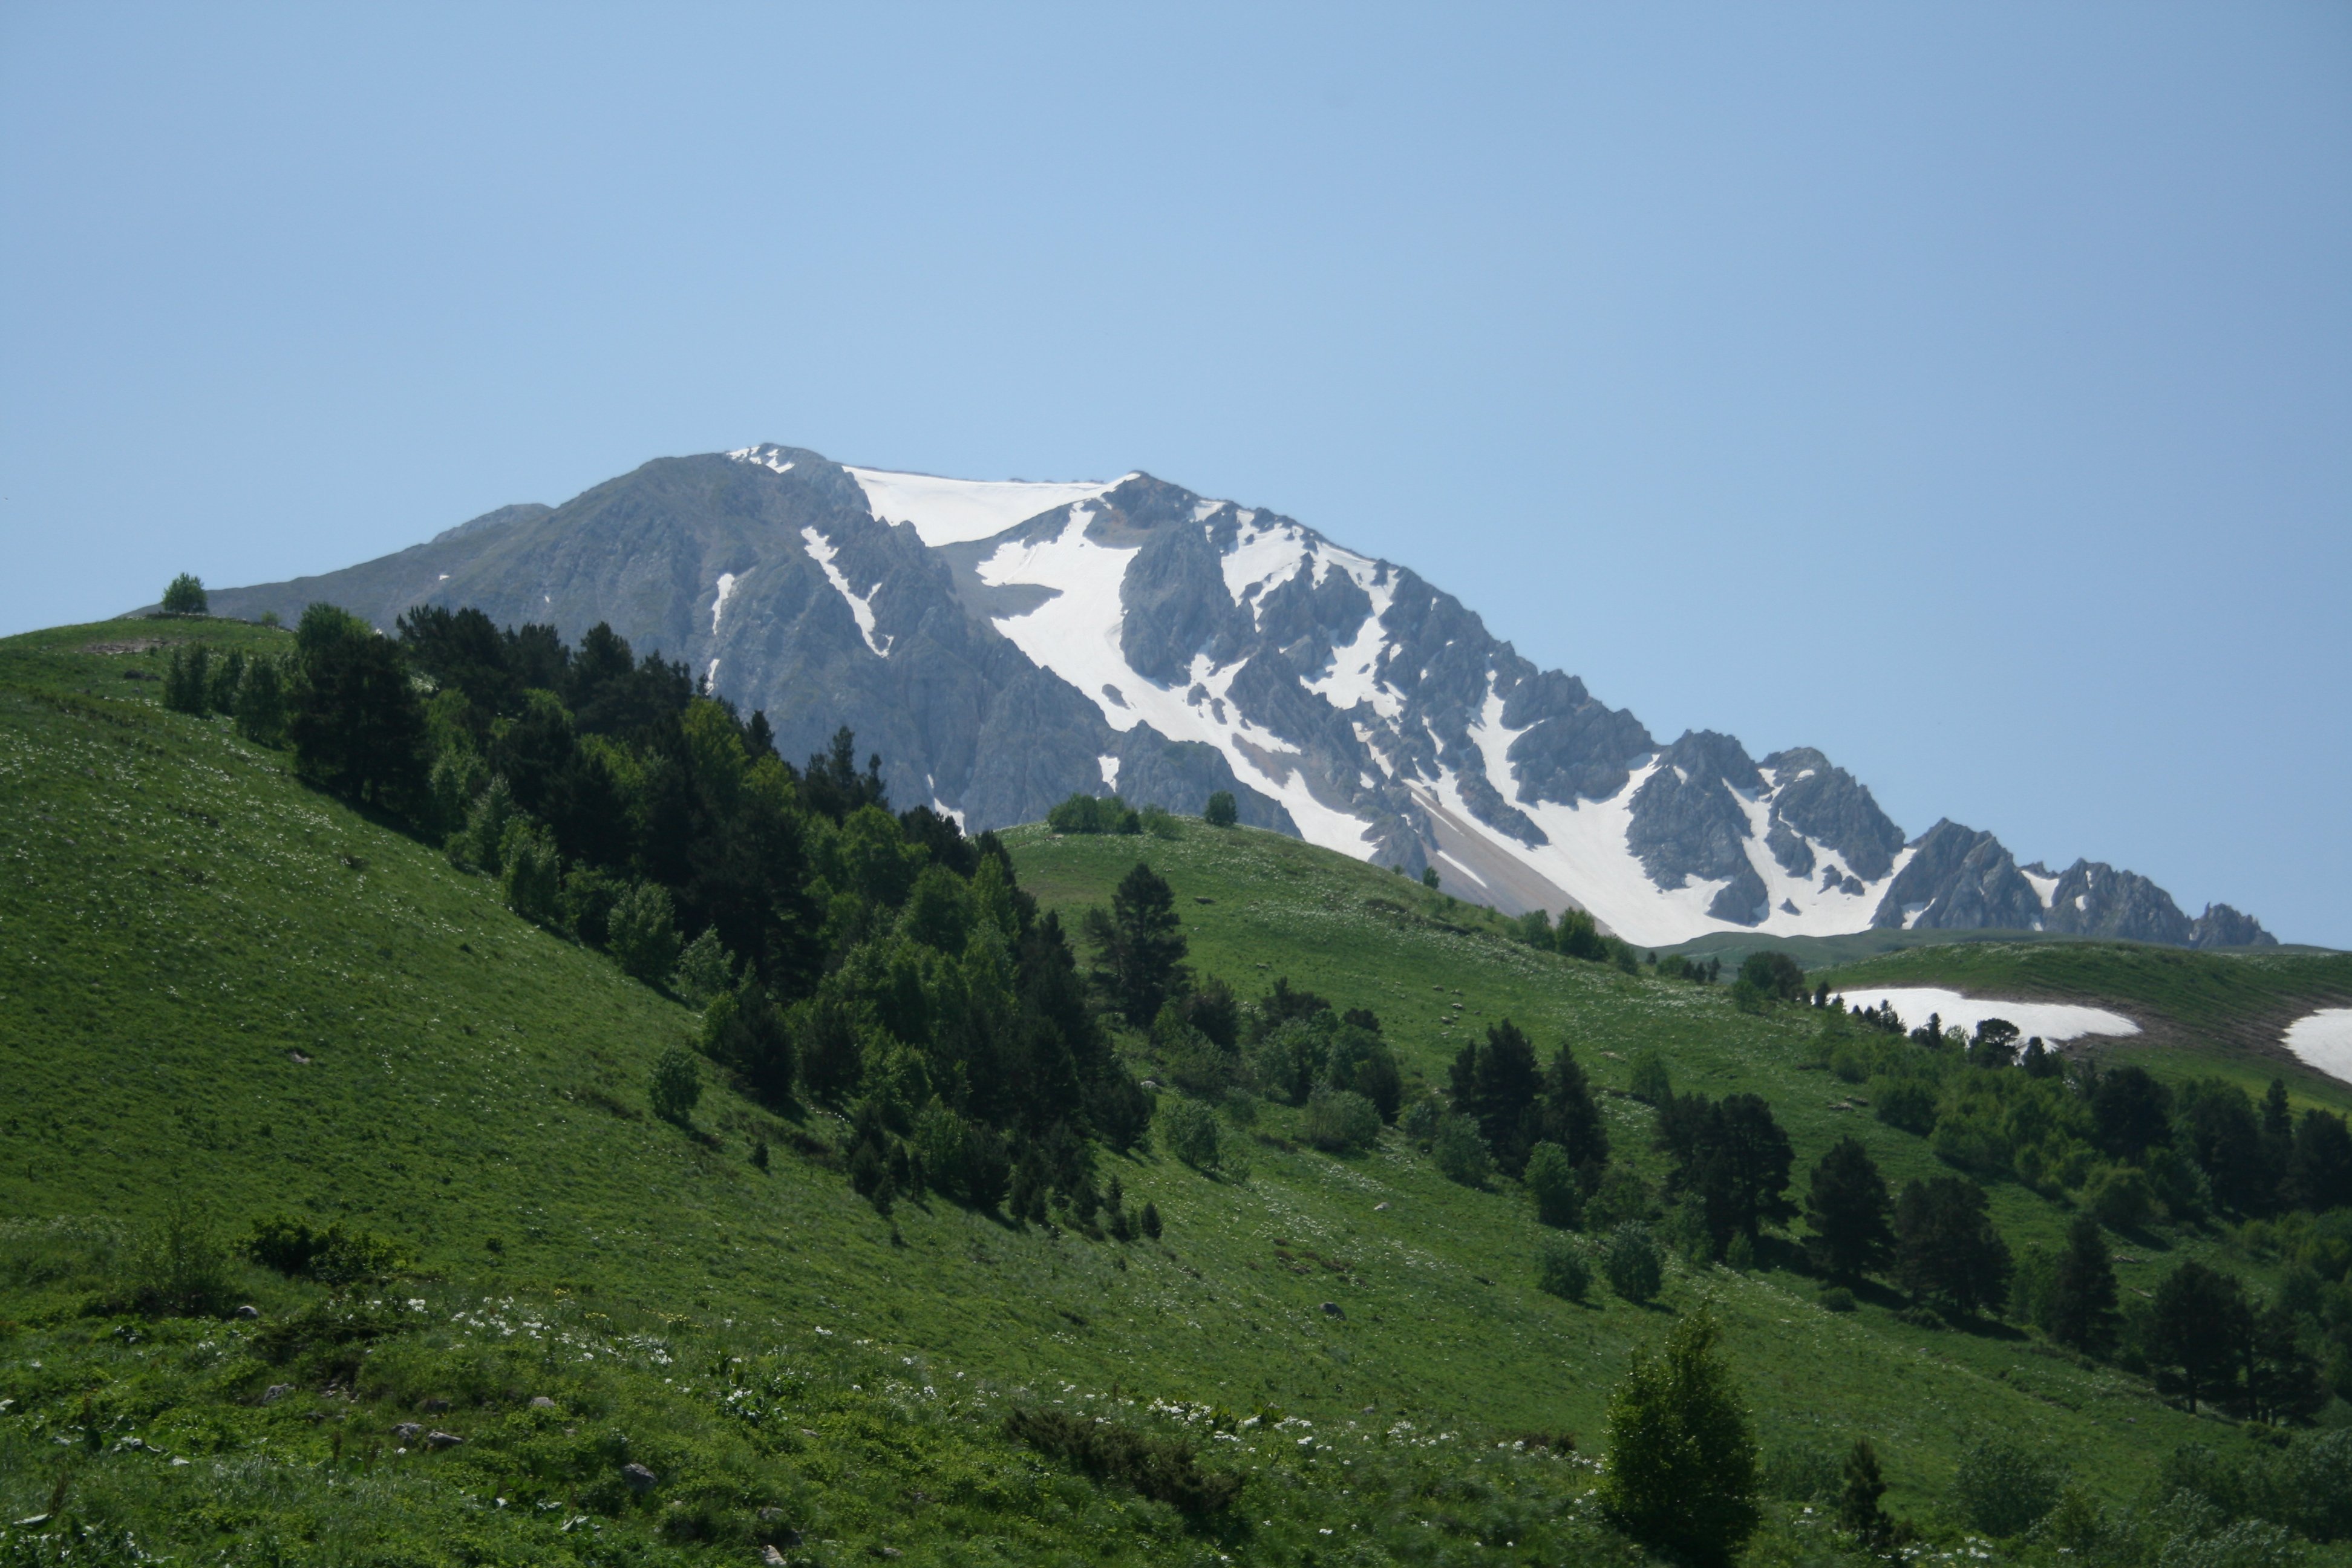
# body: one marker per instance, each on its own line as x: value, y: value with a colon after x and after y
x: 1139, y: 945
x: 1861, y: 1486
x: 1836, y: 1299
x: 1570, y: 1118
x: 1579, y: 937
x: 2222, y: 1134
x: 2281, y: 1382
x: 744, y: 1031
x: 1458, y: 1151
x: 1221, y: 811
x: 1551, y: 1182
x: 1773, y: 976
x: 1093, y: 814
x: 2129, y: 1113
x: 531, y: 872
x: 260, y: 710
x: 2003, y: 1490
x: 676, y: 1087
x: 336, y: 1255
x: 2319, y: 1171
x: 2194, y: 1333
x: 356, y: 725
x: 1499, y: 1087
x: 1150, y: 1220
x: 1340, y: 1121
x: 1189, y: 1131
x: 1162, y: 1468
x: 1732, y: 1157
x: 2078, y: 1308
x: 1212, y: 1009
x: 1362, y: 1063
x: 1908, y: 1104
x: 186, y: 672
x: 1631, y: 1262
x: 179, y: 1267
x: 221, y: 687
x: 1847, y: 1206
x: 1682, y: 1465
x: 1429, y: 878
x: 185, y: 596
x: 1562, y: 1270
x: 641, y: 933
x: 1947, y: 1250
x: 1651, y: 1084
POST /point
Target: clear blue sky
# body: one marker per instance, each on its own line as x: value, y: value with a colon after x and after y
x: 1964, y: 390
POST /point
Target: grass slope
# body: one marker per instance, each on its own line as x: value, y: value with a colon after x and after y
x: 216, y: 984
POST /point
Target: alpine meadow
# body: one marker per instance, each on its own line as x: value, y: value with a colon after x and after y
x: 471, y: 1097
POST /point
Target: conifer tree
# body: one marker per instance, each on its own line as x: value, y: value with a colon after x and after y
x: 2196, y: 1332
x: 1681, y: 1476
x: 1848, y: 1208
x: 1572, y: 1119
x: 1858, y: 1509
x: 1946, y: 1249
x: 2081, y: 1305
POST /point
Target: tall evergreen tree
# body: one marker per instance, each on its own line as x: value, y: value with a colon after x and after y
x: 2196, y: 1333
x: 1571, y: 1118
x: 1859, y: 1512
x: 1141, y: 943
x: 1734, y: 1158
x: 1506, y: 1088
x: 1848, y: 1207
x: 2319, y: 1171
x: 2281, y: 1383
x: 1946, y: 1249
x: 2129, y: 1111
x: 2080, y: 1306
x: 357, y: 725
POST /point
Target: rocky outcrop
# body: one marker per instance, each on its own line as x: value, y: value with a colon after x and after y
x: 1959, y: 879
x: 2221, y: 926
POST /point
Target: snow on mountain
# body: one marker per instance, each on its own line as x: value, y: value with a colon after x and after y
x: 1002, y: 643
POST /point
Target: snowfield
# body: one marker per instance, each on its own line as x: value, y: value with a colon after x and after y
x: 960, y: 512
x: 2324, y: 1040
x: 2053, y: 1021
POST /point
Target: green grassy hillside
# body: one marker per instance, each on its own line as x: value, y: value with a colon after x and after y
x: 226, y: 997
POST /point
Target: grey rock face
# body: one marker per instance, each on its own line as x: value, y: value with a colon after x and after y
x: 1826, y: 804
x: 1686, y: 822
x: 2221, y: 926
x: 1960, y: 880
x: 2094, y: 899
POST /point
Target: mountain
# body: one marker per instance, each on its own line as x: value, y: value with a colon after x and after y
x: 1002, y: 643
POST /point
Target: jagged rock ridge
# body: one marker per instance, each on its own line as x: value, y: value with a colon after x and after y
x: 1005, y: 644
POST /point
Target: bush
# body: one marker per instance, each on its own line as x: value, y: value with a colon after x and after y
x: 185, y: 596
x: 336, y: 1256
x: 1837, y: 1299
x: 1552, y: 1182
x: 1160, y: 822
x: 179, y: 1268
x: 1189, y: 1131
x: 1801, y: 1473
x: 1562, y: 1270
x: 186, y: 672
x: 676, y: 1085
x: 1340, y: 1121
x: 641, y: 933
x: 1905, y: 1104
x: 531, y: 872
x: 1681, y: 1476
x: 1221, y: 811
x: 705, y: 969
x: 1420, y: 1119
x: 1622, y: 1196
x: 1163, y: 1469
x: 261, y: 703
x: 2003, y: 1490
x: 2120, y: 1196
x: 1633, y: 1263
x: 1459, y: 1154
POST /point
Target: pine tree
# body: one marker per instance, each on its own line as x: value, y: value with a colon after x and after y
x: 1151, y: 1220
x: 1849, y: 1209
x: 2281, y: 1382
x: 1141, y: 942
x: 1680, y: 1475
x: 2081, y: 1305
x: 1572, y: 1119
x: 2196, y: 1332
x: 1552, y: 1182
x: 1858, y: 1509
x: 1946, y: 1249
x: 1505, y: 1086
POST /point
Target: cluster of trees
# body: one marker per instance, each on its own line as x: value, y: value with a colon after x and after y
x: 1576, y: 936
x: 881, y: 962
x: 2130, y: 1146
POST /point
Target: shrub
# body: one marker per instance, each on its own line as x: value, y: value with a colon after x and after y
x: 1420, y: 1119
x: 641, y: 933
x: 1562, y: 1270
x: 705, y: 969
x: 676, y: 1085
x: 531, y: 872
x: 1837, y: 1299
x: 186, y: 673
x: 1622, y: 1196
x: 1459, y: 1154
x: 1160, y: 822
x: 2003, y: 1490
x: 1681, y: 1476
x: 1164, y: 1469
x: 477, y: 843
x: 2120, y: 1196
x: 1189, y: 1131
x: 1221, y: 811
x: 1905, y: 1104
x: 1150, y: 1220
x: 185, y: 596
x: 179, y: 1268
x: 335, y: 1255
x: 261, y: 703
x: 1633, y: 1263
x: 1552, y: 1182
x: 1800, y: 1472
x: 1339, y: 1122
